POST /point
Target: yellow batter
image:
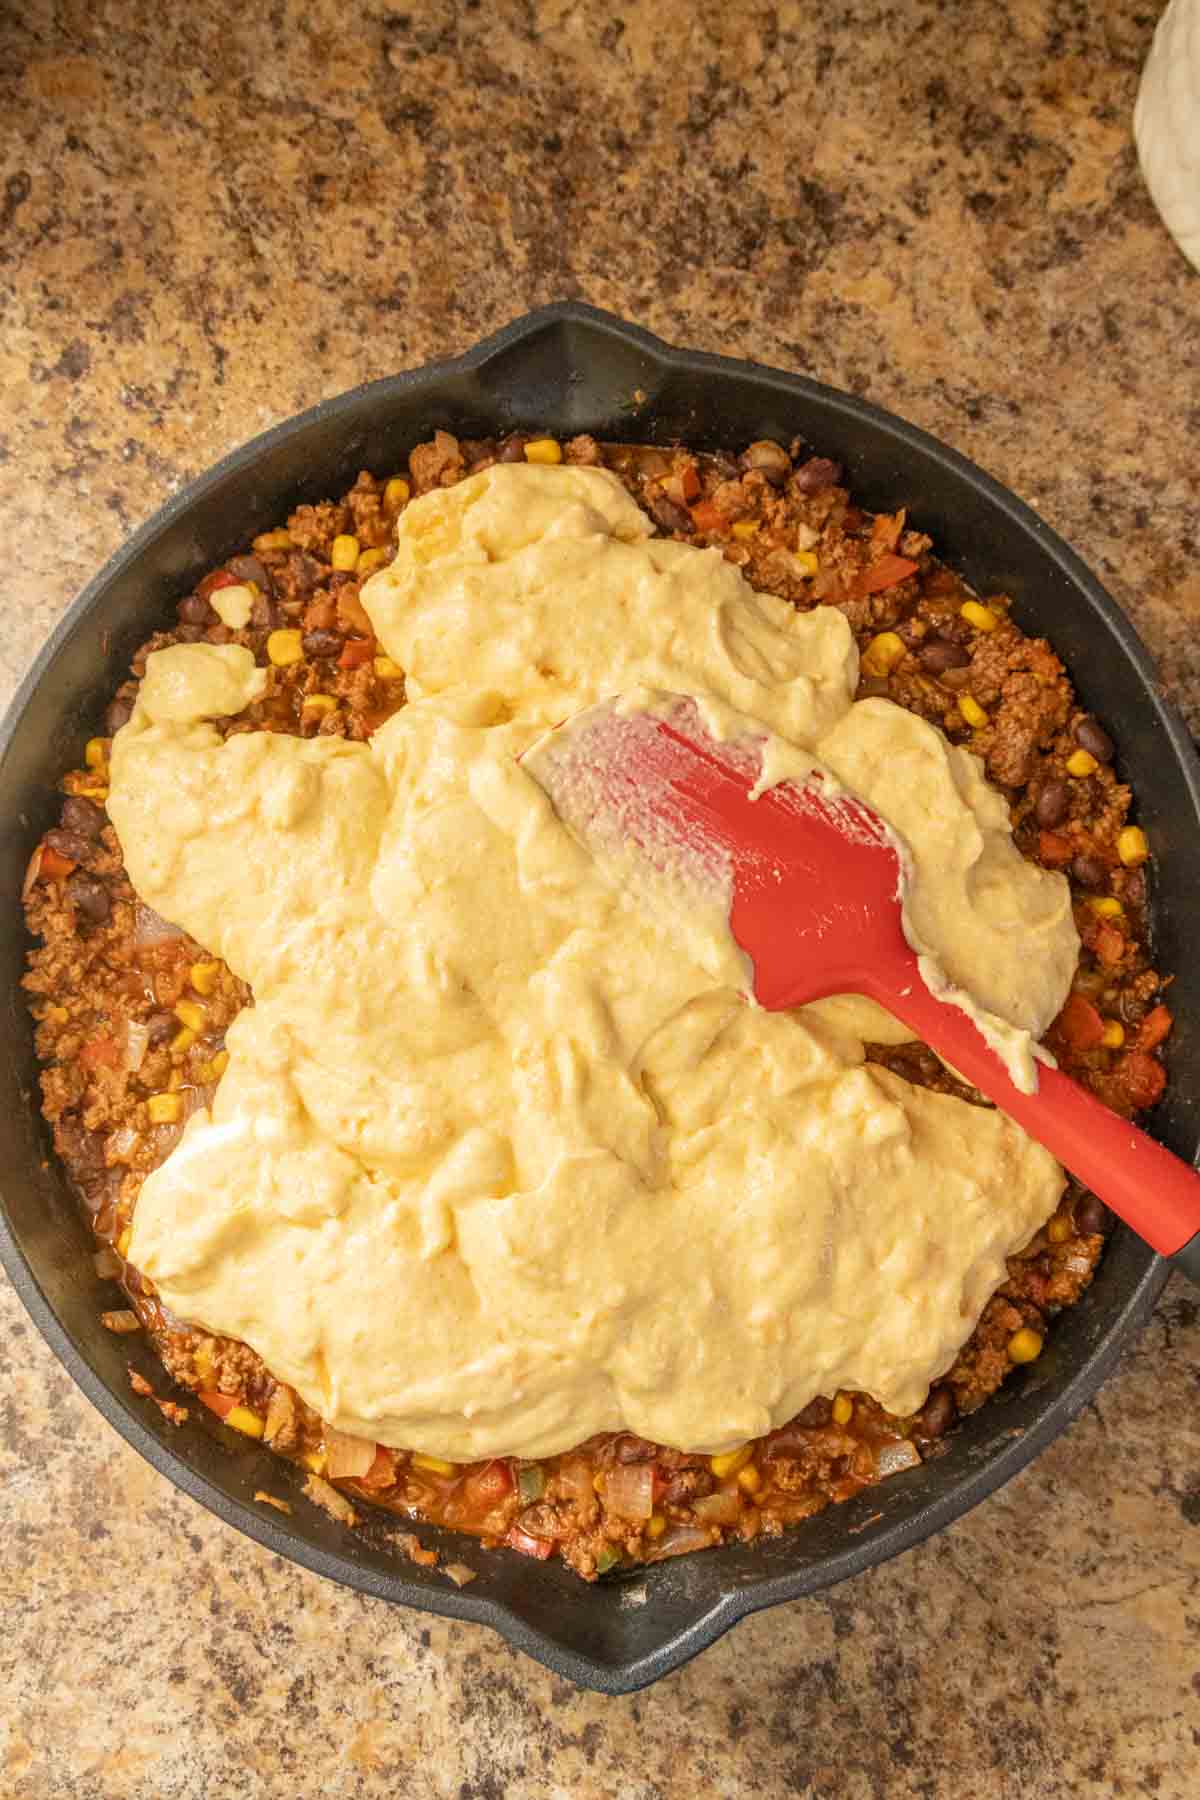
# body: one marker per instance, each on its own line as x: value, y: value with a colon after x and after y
x: 498, y: 1161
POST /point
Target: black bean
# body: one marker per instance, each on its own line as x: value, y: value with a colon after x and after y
x: 90, y: 897
x: 1088, y: 872
x: 304, y: 572
x: 1052, y: 803
x: 264, y: 614
x: 322, y: 643
x: 817, y: 473
x: 770, y: 459
x: 1091, y: 1215
x: 162, y: 1026
x: 118, y: 713
x: 816, y: 1414
x: 511, y: 450
x: 71, y: 844
x: 938, y: 1413
x: 195, y: 610
x: 82, y: 816
x: 248, y: 568
x: 937, y: 654
x: 80, y: 1149
x: 664, y: 511
x: 1094, y: 738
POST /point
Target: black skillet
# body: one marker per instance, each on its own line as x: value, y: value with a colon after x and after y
x: 565, y: 369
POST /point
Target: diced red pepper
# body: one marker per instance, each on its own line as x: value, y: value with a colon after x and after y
x: 356, y: 652
x: 707, y: 517
x: 100, y: 1052
x: 1079, y: 1024
x: 53, y: 866
x: 689, y: 482
x: 219, y: 578
x: 1154, y: 1028
x: 382, y: 1472
x: 527, y: 1544
x: 884, y: 574
x: 1142, y: 1078
x: 885, y: 532
x: 221, y: 1404
x: 1108, y: 944
x: 1053, y: 850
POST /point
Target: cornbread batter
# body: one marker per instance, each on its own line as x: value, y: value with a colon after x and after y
x: 494, y: 1165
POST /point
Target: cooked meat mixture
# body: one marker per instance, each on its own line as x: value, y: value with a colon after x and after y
x: 131, y: 1014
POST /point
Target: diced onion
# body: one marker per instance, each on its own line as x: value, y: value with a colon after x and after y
x: 137, y: 1042
x: 891, y: 1458
x: 678, y: 1541
x: 575, y: 1479
x: 123, y: 1142
x: 459, y: 1573
x: 721, y: 1508
x: 629, y: 1490
x: 347, y: 1455
x: 149, y: 928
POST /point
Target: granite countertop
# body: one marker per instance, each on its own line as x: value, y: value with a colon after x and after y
x: 213, y: 216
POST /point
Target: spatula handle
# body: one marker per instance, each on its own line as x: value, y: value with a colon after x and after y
x: 1153, y: 1191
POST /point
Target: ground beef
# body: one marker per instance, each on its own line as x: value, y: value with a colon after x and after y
x: 112, y: 989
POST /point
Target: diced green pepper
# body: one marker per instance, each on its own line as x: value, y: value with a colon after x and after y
x: 531, y: 1482
x: 608, y: 1558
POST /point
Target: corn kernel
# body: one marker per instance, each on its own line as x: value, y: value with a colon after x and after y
x: 396, y: 493
x: 95, y: 753
x: 387, y: 668
x: 1058, y: 1230
x: 98, y: 794
x: 806, y: 562
x: 183, y: 1040
x: 1106, y: 906
x: 543, y: 450
x: 433, y: 1465
x: 883, y: 653
x: 242, y: 1419
x: 598, y: 1482
x: 369, y: 561
x: 1081, y: 763
x: 273, y: 540
x: 315, y: 1460
x: 656, y: 1524
x: 1132, y: 847
x: 203, y: 977
x: 749, y: 1479
x: 1025, y: 1346
x: 175, y: 1081
x: 981, y: 617
x: 164, y: 1109
x: 58, y: 1015
x: 285, y: 648
x: 972, y: 712
x: 843, y: 1409
x: 730, y: 1462
x: 219, y: 1064
x: 123, y: 1241
x: 191, y: 1014
x: 343, y: 552
x: 745, y: 528
x: 320, y: 704
x: 1114, y: 1035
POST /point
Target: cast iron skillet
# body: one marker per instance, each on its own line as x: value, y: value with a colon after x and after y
x: 569, y: 368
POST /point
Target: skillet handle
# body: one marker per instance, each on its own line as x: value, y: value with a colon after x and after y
x: 1156, y: 1193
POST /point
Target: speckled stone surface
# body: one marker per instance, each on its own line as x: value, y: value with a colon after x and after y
x: 211, y: 216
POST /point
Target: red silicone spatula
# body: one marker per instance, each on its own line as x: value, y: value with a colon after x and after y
x: 815, y: 882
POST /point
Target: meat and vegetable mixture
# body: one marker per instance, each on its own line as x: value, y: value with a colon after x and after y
x: 131, y: 1014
